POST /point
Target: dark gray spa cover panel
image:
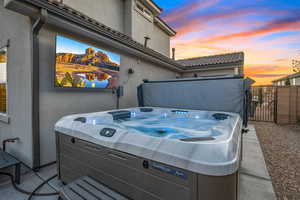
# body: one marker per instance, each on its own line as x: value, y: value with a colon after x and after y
x: 220, y: 93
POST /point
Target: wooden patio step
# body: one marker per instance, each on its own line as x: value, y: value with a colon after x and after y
x: 85, y: 188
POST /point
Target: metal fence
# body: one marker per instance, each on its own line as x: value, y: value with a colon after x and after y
x: 263, y: 104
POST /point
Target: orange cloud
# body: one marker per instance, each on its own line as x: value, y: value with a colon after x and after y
x: 265, y: 74
x: 282, y: 60
x: 263, y: 80
x: 287, y: 24
x: 196, y: 24
x: 268, y: 75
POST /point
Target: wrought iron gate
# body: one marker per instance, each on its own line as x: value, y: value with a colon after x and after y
x: 263, y: 104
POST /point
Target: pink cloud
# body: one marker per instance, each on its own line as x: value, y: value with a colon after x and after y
x: 199, y: 23
x: 267, y: 75
x: 287, y: 24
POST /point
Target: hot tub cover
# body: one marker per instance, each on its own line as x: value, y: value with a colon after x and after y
x: 228, y: 93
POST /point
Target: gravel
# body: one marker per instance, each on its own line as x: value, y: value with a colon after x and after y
x: 281, y: 148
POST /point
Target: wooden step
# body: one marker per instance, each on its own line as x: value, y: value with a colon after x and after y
x: 85, y: 188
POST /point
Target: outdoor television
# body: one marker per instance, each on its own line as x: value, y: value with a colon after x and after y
x: 80, y: 65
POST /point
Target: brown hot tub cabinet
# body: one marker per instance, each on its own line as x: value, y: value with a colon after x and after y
x: 138, y: 178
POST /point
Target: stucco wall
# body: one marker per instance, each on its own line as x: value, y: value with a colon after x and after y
x: 297, y: 81
x: 122, y: 16
x: 55, y: 103
x: 108, y: 12
x: 160, y: 41
x: 142, y: 27
x: 210, y: 72
x: 17, y: 28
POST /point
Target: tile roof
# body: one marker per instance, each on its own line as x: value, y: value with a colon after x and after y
x: 64, y: 10
x: 295, y: 75
x: 228, y: 58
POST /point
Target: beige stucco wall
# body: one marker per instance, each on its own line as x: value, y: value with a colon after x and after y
x: 16, y: 28
x: 55, y: 103
x: 160, y: 41
x: 142, y: 27
x: 122, y: 16
x: 108, y: 12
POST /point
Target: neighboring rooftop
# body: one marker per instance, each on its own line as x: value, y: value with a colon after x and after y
x: 229, y: 58
x: 295, y: 75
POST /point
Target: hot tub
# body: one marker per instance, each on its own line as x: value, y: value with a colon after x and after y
x: 153, y: 153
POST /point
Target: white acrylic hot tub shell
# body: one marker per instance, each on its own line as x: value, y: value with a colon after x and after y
x: 215, y: 158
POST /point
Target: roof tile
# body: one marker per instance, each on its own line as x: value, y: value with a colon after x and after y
x: 109, y: 31
x: 295, y: 75
x: 212, y: 60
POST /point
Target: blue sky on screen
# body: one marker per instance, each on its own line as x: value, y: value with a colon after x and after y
x: 66, y: 45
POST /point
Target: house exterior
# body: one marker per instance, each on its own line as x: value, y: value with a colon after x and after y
x: 31, y: 105
x: 231, y: 63
x: 293, y: 80
x: 135, y: 18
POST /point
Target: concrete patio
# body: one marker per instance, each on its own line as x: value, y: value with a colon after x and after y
x: 255, y: 182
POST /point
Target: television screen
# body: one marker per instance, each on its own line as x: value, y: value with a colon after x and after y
x: 80, y: 65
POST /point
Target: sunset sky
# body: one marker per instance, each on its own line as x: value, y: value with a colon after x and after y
x: 268, y: 31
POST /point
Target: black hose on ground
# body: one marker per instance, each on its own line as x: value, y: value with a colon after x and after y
x: 40, y: 186
x: 27, y: 192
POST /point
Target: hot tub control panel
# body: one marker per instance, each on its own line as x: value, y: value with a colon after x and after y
x: 107, y: 132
